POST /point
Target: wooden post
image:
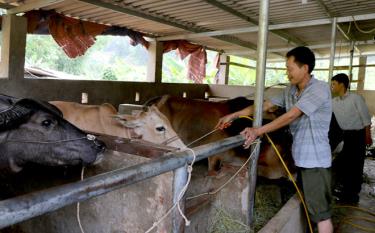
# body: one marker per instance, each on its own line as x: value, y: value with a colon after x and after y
x: 14, y: 30
x: 223, y: 73
x: 361, y: 73
x: 155, y: 62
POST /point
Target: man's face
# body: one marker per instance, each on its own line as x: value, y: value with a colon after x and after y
x: 294, y: 72
x: 336, y: 87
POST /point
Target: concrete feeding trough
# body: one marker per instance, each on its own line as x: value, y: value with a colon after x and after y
x: 289, y: 219
x: 231, y: 203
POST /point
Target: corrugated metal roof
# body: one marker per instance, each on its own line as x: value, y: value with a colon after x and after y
x: 158, y: 18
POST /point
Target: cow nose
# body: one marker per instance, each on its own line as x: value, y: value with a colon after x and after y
x: 100, y: 145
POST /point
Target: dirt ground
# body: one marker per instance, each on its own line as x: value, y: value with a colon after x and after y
x: 360, y: 218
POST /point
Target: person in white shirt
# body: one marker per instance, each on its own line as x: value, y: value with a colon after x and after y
x: 354, y: 119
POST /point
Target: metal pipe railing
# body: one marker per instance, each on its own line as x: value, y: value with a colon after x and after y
x: 27, y: 206
x: 258, y: 102
x: 180, y: 178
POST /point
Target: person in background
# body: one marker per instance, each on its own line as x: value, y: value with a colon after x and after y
x: 309, y: 110
x: 354, y: 119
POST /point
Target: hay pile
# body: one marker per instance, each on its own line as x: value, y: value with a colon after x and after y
x: 222, y: 222
x: 265, y: 208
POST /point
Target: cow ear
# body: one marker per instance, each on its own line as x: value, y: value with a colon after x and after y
x: 162, y: 101
x: 13, y: 166
x: 144, y: 108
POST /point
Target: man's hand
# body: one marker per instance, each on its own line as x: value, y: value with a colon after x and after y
x: 225, y: 121
x: 250, y: 134
x: 368, y: 139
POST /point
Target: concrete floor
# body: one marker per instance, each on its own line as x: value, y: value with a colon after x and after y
x: 344, y: 217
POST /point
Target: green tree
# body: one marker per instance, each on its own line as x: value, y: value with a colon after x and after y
x: 109, y: 75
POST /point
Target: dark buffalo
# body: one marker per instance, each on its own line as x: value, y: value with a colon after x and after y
x: 33, y: 131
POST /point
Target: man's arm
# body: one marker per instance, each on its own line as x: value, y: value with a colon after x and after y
x: 252, y: 133
x: 224, y: 121
x: 368, y: 138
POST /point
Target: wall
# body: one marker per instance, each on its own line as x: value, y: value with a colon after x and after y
x: 98, y: 91
x: 235, y: 91
x: 370, y: 100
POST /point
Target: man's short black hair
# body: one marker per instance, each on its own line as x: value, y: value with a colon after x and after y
x: 303, y: 55
x: 341, y: 78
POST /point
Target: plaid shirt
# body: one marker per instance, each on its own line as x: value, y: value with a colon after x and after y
x: 351, y: 111
x: 310, y: 131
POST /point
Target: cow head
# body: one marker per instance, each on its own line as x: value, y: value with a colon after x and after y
x: 32, y: 131
x: 151, y: 125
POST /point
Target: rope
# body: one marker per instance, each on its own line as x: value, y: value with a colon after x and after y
x: 355, y: 208
x: 170, y: 140
x: 366, y: 229
x: 257, y: 142
x: 350, y: 26
x: 361, y: 30
x: 78, y: 217
x: 180, y: 195
x: 88, y: 137
x: 200, y: 138
x: 347, y: 219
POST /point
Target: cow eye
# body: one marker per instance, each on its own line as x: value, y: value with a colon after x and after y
x: 47, y: 123
x: 160, y: 129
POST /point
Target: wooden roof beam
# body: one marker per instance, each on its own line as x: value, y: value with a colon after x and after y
x: 281, y: 34
x: 30, y: 6
x: 286, y: 49
x: 270, y: 27
x: 167, y: 21
x: 329, y: 13
x: 5, y: 6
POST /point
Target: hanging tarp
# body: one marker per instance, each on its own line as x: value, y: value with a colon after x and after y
x: 198, y: 57
x: 75, y: 36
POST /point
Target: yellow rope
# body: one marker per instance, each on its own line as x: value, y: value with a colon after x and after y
x: 366, y: 229
x: 290, y: 177
x: 356, y: 208
x: 348, y: 221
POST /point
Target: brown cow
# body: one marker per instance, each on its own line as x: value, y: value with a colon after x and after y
x: 193, y: 118
x: 149, y: 125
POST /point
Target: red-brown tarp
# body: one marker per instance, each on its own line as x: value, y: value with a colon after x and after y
x: 198, y: 57
x: 72, y: 35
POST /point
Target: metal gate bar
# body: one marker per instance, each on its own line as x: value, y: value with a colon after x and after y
x: 24, y: 207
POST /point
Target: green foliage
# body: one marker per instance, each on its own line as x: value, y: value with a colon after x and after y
x: 110, y: 58
x: 109, y: 74
x: 241, y: 76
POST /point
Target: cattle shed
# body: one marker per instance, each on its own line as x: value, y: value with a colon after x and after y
x: 229, y: 27
x: 261, y: 30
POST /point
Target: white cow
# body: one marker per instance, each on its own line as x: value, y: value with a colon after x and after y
x: 150, y: 125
